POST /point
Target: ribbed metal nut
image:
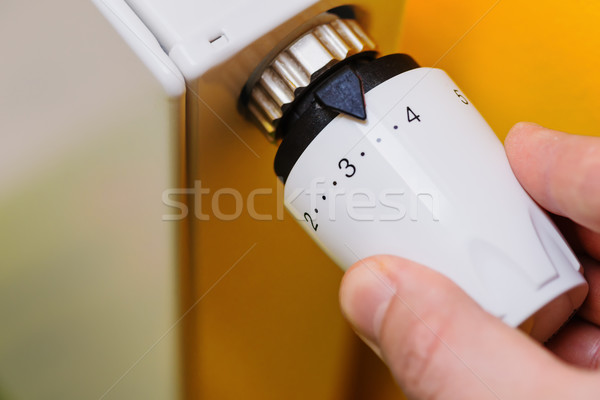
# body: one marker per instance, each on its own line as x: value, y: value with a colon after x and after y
x: 299, y: 64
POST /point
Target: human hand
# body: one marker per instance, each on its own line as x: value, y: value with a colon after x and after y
x: 439, y: 344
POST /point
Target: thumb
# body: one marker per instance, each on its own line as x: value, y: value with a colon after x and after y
x: 438, y: 343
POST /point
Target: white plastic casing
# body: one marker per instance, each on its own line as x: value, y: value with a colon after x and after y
x: 198, y: 35
x: 437, y: 190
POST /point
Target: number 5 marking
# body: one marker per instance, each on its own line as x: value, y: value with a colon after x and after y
x: 462, y: 98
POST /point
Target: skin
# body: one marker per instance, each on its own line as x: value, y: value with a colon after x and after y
x: 439, y: 344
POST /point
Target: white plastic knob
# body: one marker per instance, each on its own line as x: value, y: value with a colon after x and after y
x: 425, y: 178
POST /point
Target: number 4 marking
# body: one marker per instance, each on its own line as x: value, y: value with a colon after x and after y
x: 410, y: 114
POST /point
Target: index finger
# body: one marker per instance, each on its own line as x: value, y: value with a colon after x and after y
x: 560, y: 171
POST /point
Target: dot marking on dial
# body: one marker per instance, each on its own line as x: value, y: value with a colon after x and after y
x: 378, y: 140
x: 324, y: 198
x: 362, y: 154
x: 334, y: 183
x: 395, y: 126
x: 316, y: 211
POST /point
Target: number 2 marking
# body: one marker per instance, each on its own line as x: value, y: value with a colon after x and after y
x: 308, y: 218
x: 347, y: 166
x: 462, y: 98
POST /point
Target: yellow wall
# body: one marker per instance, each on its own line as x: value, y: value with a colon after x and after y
x: 525, y: 60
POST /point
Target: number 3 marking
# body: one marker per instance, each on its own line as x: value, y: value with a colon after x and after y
x: 347, y: 166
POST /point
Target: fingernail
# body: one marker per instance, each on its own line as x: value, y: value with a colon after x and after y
x: 365, y: 296
x: 373, y: 346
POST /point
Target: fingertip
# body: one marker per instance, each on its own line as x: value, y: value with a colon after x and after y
x: 560, y: 171
x: 524, y: 126
x: 523, y: 142
x: 522, y: 145
x: 520, y: 133
x: 388, y: 267
x: 365, y: 293
x: 369, y: 286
